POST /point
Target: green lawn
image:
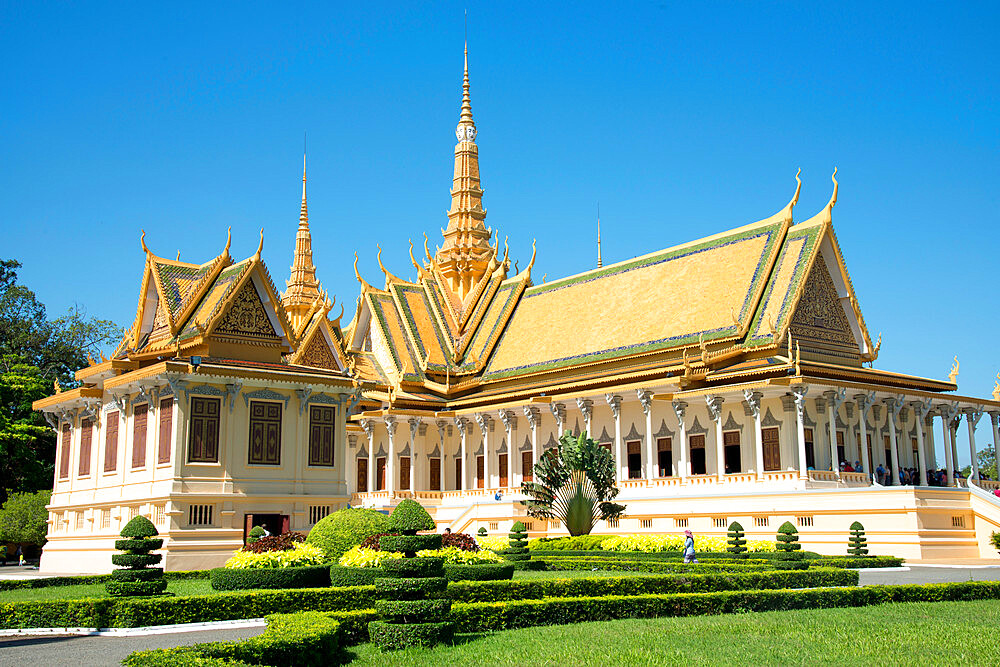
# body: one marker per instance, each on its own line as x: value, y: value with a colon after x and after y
x: 922, y: 633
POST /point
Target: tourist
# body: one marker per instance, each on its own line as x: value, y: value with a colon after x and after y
x: 689, y: 547
x: 20, y: 556
x: 846, y: 467
x: 857, y: 467
x: 447, y: 531
x: 880, y: 474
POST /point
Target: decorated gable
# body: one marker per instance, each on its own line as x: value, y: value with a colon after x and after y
x: 820, y: 320
x: 247, y: 317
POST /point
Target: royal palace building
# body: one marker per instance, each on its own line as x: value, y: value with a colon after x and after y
x: 732, y: 378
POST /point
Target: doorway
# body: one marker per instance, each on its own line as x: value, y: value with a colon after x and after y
x: 664, y: 457
x: 502, y: 469
x: 527, y: 468
x: 380, y: 473
x: 771, y: 449
x: 435, y: 474
x: 698, y: 466
x: 274, y: 524
x: 634, y: 459
x: 732, y: 453
x: 362, y: 476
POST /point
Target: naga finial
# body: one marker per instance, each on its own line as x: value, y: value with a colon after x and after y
x: 414, y: 259
x: 229, y: 241
x: 532, y: 262
x: 427, y: 249
x: 260, y: 246
x: 356, y: 273
x: 953, y: 373
x: 142, y: 241
x: 878, y: 346
x: 996, y: 389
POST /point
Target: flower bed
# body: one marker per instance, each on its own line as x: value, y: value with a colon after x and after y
x: 300, y: 555
x: 654, y: 543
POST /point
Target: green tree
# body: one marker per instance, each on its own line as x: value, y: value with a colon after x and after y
x: 57, y: 347
x: 987, y: 463
x: 23, y: 517
x: 27, y: 444
x: 574, y: 483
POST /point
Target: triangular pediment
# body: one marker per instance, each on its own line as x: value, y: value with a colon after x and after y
x: 247, y: 316
x: 317, y: 347
x: 820, y: 317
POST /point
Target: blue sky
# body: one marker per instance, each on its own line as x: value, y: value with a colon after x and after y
x: 681, y: 120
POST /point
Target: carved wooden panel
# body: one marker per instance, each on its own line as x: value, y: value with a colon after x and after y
x: 140, y: 415
x: 203, y: 442
x: 86, y: 440
x: 111, y: 441
x: 322, y: 425
x: 265, y: 433
x: 819, y: 313
x: 318, y: 354
x: 247, y: 316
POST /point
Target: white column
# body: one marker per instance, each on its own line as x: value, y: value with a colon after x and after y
x: 351, y: 466
x: 892, y: 408
x: 919, y: 410
x: 949, y: 462
x: 972, y: 416
x: 714, y: 404
x: 509, y: 420
x: 534, y: 416
x: 369, y: 429
x: 683, y: 468
x: 995, y: 422
x: 646, y: 399
x: 414, y: 424
x: 587, y: 409
x: 833, y: 401
x: 799, y: 393
x: 615, y: 402
x: 484, y: 420
x: 864, y: 403
x: 955, y: 422
x: 462, y: 424
x: 559, y: 412
x: 752, y: 399
x: 390, y: 462
x: 446, y: 470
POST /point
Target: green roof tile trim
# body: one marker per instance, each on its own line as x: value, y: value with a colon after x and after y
x: 170, y: 275
x: 401, y: 292
x: 496, y: 316
x: 226, y: 280
x: 802, y: 242
x: 378, y: 302
x: 772, y: 232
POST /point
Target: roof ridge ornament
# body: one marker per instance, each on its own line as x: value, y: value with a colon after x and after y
x: 260, y: 246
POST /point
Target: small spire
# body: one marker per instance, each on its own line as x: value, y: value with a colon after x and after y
x: 600, y: 262
x: 304, y: 209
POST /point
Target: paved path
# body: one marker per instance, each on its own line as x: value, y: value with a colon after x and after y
x: 99, y: 651
x: 929, y: 574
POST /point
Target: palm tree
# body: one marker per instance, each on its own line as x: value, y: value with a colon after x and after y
x: 575, y: 484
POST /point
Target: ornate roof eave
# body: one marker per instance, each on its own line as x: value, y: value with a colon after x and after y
x: 366, y: 287
x: 197, y: 291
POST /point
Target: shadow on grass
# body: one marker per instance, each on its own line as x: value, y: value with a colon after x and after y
x: 349, y: 654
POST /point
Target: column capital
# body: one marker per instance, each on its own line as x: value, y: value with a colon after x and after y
x: 414, y: 424
x: 615, y: 401
x: 368, y: 425
x: 533, y: 415
x: 390, y: 424
x: 646, y: 399
x: 586, y: 407
x: 509, y: 419
x: 973, y: 415
x: 994, y: 417
x: 752, y: 399
x: 558, y: 411
x: 462, y: 424
x: 484, y: 421
x: 798, y: 395
x: 680, y: 409
x: 836, y: 397
x: 441, y: 424
x: 714, y: 404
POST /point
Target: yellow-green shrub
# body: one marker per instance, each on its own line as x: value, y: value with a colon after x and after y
x: 654, y: 543
x: 498, y: 543
x: 361, y: 557
x: 301, y: 555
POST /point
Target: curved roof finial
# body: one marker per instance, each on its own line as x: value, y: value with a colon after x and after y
x: 260, y: 246
x: 414, y: 259
x: 427, y: 249
x: 229, y: 241
x: 357, y: 274
x: 828, y: 209
x: 142, y: 241
x: 380, y: 265
x: 533, y: 253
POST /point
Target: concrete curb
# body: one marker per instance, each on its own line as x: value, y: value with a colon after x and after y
x: 138, y: 632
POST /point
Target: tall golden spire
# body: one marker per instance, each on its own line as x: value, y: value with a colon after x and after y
x: 600, y: 261
x: 302, y: 286
x: 465, y: 254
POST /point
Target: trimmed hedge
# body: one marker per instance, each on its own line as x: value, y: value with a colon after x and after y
x: 310, y: 639
x: 138, y: 544
x: 88, y: 579
x: 125, y: 588
x: 135, y: 560
x: 413, y: 567
x: 413, y: 611
x: 355, y: 576
x: 409, y: 515
x: 647, y: 566
x: 148, y: 574
x: 866, y: 562
x: 529, y: 565
x: 226, y: 579
x: 409, y: 543
x: 481, y: 572
x: 127, y: 612
x: 494, y: 616
x: 411, y: 589
x: 346, y: 528
x: 391, y: 636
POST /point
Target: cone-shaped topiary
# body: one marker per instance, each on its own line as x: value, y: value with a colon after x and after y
x: 412, y: 608
x: 788, y: 539
x: 737, y: 540
x: 137, y: 578
x: 518, y: 549
x: 857, y: 544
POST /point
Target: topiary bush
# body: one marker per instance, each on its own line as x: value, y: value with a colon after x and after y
x: 481, y: 532
x: 336, y: 533
x: 137, y: 579
x: 228, y: 579
x: 518, y: 549
x: 737, y: 540
x: 462, y: 541
x: 256, y: 533
x: 788, y: 540
x: 857, y: 544
x: 411, y: 607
